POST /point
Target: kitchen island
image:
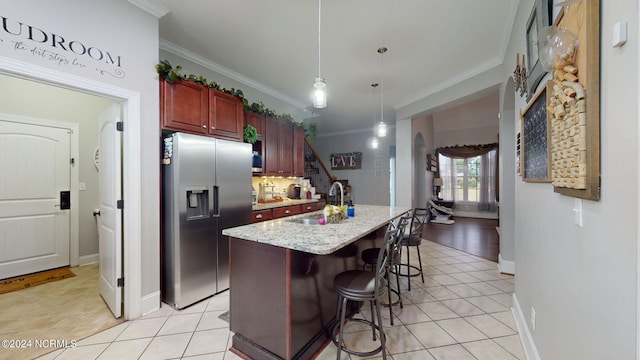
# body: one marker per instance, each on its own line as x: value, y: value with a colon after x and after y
x: 282, y: 302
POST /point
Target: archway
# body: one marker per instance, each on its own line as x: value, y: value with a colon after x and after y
x: 419, y: 198
x: 507, y: 177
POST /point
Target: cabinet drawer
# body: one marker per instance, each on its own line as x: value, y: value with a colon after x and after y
x: 310, y: 207
x: 286, y: 211
x: 261, y: 215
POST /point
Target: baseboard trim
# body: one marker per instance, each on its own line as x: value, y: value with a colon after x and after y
x: 150, y: 303
x: 506, y: 266
x: 475, y: 214
x: 88, y: 259
x: 529, y: 347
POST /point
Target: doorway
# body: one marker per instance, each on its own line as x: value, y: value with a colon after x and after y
x: 133, y: 301
x: 33, y: 101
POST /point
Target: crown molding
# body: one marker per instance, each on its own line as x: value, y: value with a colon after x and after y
x: 151, y: 7
x: 195, y: 58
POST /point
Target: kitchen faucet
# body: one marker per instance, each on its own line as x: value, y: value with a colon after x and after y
x: 332, y: 191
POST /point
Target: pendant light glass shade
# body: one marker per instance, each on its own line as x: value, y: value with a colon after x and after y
x: 319, y: 86
x: 319, y: 93
x: 373, y: 142
x: 382, y: 129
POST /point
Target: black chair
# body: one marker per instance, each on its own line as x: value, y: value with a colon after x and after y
x: 370, y: 257
x: 359, y: 286
x: 419, y: 217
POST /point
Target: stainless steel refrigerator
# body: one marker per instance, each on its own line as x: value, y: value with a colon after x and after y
x: 206, y: 188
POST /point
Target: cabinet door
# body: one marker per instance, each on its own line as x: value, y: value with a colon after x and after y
x: 184, y: 106
x: 285, y: 141
x: 226, y: 115
x: 298, y: 151
x: 257, y: 121
x: 271, y: 158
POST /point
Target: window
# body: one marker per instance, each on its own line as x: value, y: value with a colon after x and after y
x: 462, y: 178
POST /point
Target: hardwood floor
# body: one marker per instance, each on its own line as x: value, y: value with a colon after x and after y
x: 474, y: 236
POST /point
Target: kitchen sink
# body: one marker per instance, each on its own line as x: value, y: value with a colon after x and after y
x: 305, y: 221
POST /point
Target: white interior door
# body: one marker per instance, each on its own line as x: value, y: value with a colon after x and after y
x: 110, y: 219
x: 35, y: 165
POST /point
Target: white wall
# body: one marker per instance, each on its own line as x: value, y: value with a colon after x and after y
x: 404, y: 162
x: 366, y: 188
x: 582, y: 281
x: 475, y: 122
x: 123, y: 30
x: 33, y: 99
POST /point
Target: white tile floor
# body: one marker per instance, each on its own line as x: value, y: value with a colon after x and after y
x: 462, y: 311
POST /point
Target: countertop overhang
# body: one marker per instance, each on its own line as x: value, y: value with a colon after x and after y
x: 318, y: 239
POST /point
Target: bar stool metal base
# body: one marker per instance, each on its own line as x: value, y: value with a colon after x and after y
x: 337, y: 337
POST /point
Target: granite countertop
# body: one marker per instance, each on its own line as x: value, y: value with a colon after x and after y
x: 287, y: 202
x: 317, y: 239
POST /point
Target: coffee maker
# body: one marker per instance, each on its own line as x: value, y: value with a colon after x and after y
x: 293, y: 192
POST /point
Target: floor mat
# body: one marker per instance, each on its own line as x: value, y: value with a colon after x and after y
x: 31, y: 280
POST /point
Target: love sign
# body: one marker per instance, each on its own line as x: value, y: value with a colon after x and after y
x: 346, y: 161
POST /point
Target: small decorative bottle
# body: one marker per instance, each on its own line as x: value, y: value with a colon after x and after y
x: 351, y: 211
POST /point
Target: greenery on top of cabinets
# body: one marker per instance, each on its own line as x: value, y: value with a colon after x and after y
x: 310, y: 131
x: 171, y: 74
x: 260, y: 109
x: 250, y: 134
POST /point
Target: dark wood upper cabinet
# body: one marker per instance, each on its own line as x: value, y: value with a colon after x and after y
x: 278, y: 157
x: 226, y: 115
x: 271, y: 156
x: 191, y: 107
x: 286, y: 147
x: 184, y: 106
x: 257, y: 121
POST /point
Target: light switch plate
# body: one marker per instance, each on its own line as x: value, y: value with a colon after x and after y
x: 619, y: 34
x: 82, y: 186
x: 577, y: 212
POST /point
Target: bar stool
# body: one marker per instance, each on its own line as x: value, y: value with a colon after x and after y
x: 419, y: 217
x: 370, y: 257
x: 359, y: 286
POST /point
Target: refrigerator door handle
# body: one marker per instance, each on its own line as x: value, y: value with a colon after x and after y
x: 216, y: 201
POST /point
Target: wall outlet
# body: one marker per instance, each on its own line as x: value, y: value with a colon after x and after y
x: 533, y: 318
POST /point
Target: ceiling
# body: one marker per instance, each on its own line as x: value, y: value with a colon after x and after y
x: 274, y: 45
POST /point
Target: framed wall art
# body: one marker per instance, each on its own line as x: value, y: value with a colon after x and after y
x: 574, y: 105
x: 535, y: 158
x: 538, y: 20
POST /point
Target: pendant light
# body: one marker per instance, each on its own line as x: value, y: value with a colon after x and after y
x: 382, y: 126
x: 373, y: 141
x: 319, y: 86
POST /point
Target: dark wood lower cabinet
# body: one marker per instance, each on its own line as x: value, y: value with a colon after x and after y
x: 282, y: 302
